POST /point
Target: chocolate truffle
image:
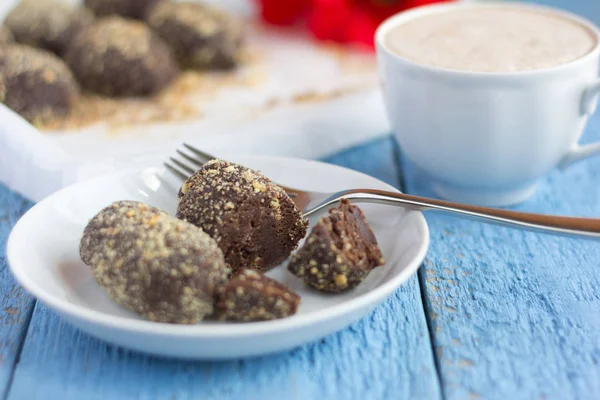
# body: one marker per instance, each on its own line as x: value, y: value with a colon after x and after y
x: 251, y: 296
x: 202, y: 37
x: 48, y: 24
x: 125, y: 8
x: 158, y: 266
x: 254, y: 221
x: 119, y: 57
x: 6, y: 35
x: 340, y: 251
x: 35, y: 83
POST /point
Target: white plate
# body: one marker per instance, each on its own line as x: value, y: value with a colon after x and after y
x: 43, y: 253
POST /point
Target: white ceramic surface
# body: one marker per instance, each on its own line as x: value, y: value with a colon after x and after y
x: 43, y: 254
x: 244, y: 114
x: 487, y: 138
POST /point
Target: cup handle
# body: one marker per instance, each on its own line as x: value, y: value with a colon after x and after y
x: 589, y: 102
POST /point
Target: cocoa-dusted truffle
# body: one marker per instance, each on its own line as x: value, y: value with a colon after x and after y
x: 35, y: 83
x: 251, y: 296
x: 163, y: 268
x: 253, y: 220
x: 6, y: 35
x: 125, y: 8
x: 48, y: 24
x: 119, y: 57
x: 340, y: 251
x: 202, y: 37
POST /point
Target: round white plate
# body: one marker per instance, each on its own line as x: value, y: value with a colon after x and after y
x: 43, y: 253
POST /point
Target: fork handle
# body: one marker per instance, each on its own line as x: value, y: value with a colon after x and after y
x: 572, y: 226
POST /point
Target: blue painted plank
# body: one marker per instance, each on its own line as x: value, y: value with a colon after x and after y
x: 587, y: 8
x: 516, y: 315
x: 16, y: 304
x: 387, y: 355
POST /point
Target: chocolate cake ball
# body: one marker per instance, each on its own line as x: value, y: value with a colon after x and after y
x: 6, y: 35
x: 251, y: 296
x: 35, y: 83
x: 340, y: 251
x: 163, y: 268
x: 119, y: 57
x: 48, y: 24
x: 202, y: 37
x: 125, y: 8
x: 253, y: 220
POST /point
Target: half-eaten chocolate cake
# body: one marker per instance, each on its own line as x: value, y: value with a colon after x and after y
x: 254, y: 221
x: 251, y: 296
x: 340, y: 251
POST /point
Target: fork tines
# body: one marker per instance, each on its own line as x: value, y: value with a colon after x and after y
x: 188, y: 161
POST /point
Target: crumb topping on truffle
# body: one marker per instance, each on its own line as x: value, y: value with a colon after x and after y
x: 253, y: 220
x: 251, y: 296
x: 49, y: 24
x: 35, y: 83
x: 202, y: 36
x: 339, y: 252
x: 6, y: 35
x: 120, y: 57
x: 163, y: 268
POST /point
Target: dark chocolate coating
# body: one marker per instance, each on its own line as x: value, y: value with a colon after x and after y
x: 340, y: 251
x: 119, y: 57
x: 158, y: 266
x: 47, y: 24
x: 201, y: 37
x: 35, y: 83
x: 125, y: 8
x: 254, y: 221
x: 251, y: 296
x: 6, y: 35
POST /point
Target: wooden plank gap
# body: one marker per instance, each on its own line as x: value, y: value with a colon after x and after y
x: 22, y: 337
x: 430, y: 328
x: 398, y: 157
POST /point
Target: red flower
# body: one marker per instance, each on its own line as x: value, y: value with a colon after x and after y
x: 283, y: 12
x: 342, y: 21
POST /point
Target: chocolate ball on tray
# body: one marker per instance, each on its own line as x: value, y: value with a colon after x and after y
x: 125, y: 8
x: 254, y: 221
x: 164, y: 269
x: 47, y: 24
x: 339, y: 252
x: 251, y: 296
x: 120, y: 57
x: 35, y: 83
x: 201, y: 36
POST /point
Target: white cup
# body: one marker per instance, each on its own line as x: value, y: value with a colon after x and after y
x: 487, y: 138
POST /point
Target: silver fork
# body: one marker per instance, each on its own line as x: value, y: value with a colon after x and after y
x: 311, y: 202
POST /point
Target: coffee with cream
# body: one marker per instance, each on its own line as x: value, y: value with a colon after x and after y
x: 494, y: 39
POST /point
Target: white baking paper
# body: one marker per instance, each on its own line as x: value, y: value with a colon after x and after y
x: 308, y: 102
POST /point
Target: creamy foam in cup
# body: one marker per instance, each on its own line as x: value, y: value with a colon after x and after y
x: 497, y: 39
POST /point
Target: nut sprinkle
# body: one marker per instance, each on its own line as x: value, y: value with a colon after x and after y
x: 164, y: 269
x: 254, y: 221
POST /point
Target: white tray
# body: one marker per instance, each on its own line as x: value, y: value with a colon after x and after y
x: 271, y: 116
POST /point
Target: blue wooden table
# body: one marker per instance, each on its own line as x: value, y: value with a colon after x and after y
x: 492, y: 313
